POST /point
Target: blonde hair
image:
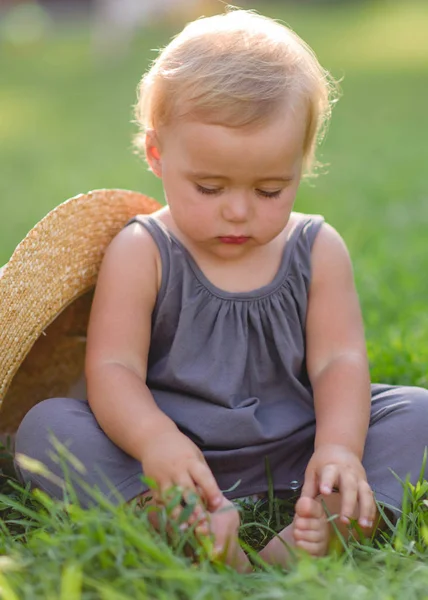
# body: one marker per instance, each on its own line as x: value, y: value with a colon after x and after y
x: 235, y: 69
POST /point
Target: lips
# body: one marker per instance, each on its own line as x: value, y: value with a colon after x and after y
x: 233, y: 239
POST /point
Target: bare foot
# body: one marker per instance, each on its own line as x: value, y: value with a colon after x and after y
x: 224, y: 524
x: 309, y: 531
x: 310, y: 528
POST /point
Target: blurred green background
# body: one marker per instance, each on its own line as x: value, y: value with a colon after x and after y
x: 66, y: 128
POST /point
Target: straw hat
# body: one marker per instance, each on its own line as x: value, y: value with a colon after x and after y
x: 45, y: 297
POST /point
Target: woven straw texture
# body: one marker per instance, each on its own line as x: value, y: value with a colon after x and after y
x: 45, y: 297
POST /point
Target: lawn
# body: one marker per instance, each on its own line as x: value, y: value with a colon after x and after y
x: 66, y: 128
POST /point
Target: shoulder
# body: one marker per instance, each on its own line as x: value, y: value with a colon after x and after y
x: 134, y: 254
x: 305, y: 226
x: 330, y: 256
x: 329, y: 241
x: 136, y: 234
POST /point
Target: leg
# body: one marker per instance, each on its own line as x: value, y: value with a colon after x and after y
x: 396, y: 441
x: 399, y: 416
x: 113, y: 472
x: 309, y: 531
x: 224, y: 524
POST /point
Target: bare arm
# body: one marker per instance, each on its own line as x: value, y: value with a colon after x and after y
x: 116, y: 369
x: 338, y: 370
x: 336, y: 351
x: 118, y: 343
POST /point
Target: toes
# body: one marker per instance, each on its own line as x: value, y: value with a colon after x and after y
x: 308, y: 508
x: 312, y: 548
x: 310, y: 528
x: 308, y: 524
x: 313, y: 535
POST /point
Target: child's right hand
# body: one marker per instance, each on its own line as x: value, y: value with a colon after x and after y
x: 172, y: 459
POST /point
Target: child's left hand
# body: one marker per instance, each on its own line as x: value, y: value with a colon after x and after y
x: 336, y: 466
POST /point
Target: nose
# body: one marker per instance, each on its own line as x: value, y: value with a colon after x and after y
x: 237, y: 208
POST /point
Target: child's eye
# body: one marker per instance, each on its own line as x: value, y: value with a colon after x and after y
x: 207, y: 191
x: 266, y: 194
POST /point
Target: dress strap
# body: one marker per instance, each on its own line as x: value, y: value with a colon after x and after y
x: 305, y: 231
x: 299, y: 248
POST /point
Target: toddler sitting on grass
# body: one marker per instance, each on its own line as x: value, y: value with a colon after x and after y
x: 226, y: 331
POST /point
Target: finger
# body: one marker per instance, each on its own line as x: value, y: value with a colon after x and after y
x: 162, y: 496
x: 202, y: 527
x: 328, y: 479
x: 349, y: 492
x: 168, y: 499
x: 163, y: 492
x: 193, y: 511
x: 184, y: 495
x: 170, y: 495
x: 195, y: 508
x: 190, y: 509
x: 202, y: 477
x: 367, y: 505
x: 187, y: 486
x: 310, y: 485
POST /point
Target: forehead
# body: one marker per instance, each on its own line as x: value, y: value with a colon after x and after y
x: 272, y: 147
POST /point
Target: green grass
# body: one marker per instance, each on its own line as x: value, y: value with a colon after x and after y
x: 65, y: 129
x: 58, y: 550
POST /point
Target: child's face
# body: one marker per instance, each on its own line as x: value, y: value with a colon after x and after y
x: 230, y: 190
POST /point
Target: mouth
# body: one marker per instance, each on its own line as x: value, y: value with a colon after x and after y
x: 234, y: 239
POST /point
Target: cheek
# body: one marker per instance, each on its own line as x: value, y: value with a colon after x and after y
x: 192, y: 213
x: 285, y: 204
x: 201, y: 214
x: 276, y: 212
x: 275, y: 216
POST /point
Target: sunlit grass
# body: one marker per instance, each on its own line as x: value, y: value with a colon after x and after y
x: 65, y: 128
x: 55, y: 549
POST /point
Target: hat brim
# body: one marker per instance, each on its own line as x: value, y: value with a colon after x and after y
x: 46, y: 293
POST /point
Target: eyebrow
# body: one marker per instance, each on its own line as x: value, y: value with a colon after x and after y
x: 202, y: 175
x: 285, y: 179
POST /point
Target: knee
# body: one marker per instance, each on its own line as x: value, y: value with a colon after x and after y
x: 403, y: 410
x: 45, y: 421
x: 33, y: 432
x: 414, y: 421
x: 33, y: 440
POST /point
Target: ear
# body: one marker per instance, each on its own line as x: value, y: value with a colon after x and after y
x: 153, y: 152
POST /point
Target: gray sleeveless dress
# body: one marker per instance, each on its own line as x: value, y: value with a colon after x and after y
x: 230, y: 370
